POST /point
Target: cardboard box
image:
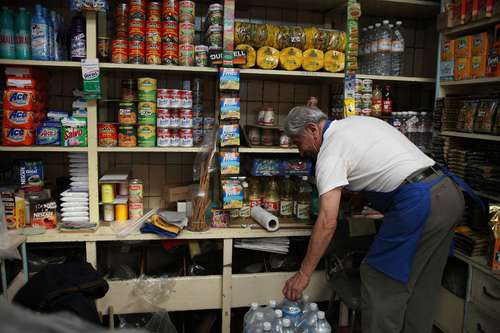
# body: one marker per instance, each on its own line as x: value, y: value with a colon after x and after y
x: 178, y: 193
x: 478, y: 66
x: 480, y: 44
x: 463, y: 47
x: 447, y: 70
x: 462, y: 69
x: 448, y: 50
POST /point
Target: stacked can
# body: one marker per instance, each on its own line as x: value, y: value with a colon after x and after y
x: 214, y: 28
x: 137, y: 31
x: 135, y: 199
x: 153, y: 33
x: 127, y: 114
x: 146, y: 112
x: 186, y: 33
x: 119, y: 46
x: 364, y: 96
x: 170, y: 33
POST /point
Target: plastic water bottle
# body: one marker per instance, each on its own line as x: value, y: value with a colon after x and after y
x: 304, y: 303
x: 278, y: 321
x: 361, y: 52
x: 397, y: 49
x: 250, y: 315
x: 7, y: 41
x: 291, y: 310
x: 39, y: 35
x: 287, y: 326
x: 269, y: 314
x: 56, y: 48
x: 374, y: 54
x: 384, y: 48
x: 308, y: 320
x: 78, y: 40
x: 368, y: 49
x: 322, y: 326
x: 256, y: 325
x: 23, y: 35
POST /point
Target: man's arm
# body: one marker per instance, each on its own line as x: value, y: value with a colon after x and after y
x: 322, y: 234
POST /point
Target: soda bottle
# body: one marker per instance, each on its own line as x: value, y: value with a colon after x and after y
x: 286, y: 197
x: 271, y: 200
x: 78, y: 40
x: 7, y: 41
x: 376, y: 102
x: 255, y: 195
x: 245, y: 209
x: 23, y: 36
x: 387, y: 101
x: 322, y: 326
x: 39, y: 35
x: 304, y: 199
x: 384, y: 47
x: 397, y: 49
x: 375, y: 56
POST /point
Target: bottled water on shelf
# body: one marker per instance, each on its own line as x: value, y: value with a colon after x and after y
x: 322, y: 325
x: 255, y: 323
x: 287, y: 326
x: 250, y: 315
x: 361, y: 52
x: 277, y: 323
x: 374, y: 60
x: 291, y: 310
x: 384, y: 49
x: 397, y: 49
x: 307, y: 322
x: 368, y: 50
x: 269, y: 314
x: 267, y: 327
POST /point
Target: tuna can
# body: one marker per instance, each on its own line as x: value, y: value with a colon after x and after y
x: 186, y: 33
x: 146, y: 113
x: 176, y: 99
x: 197, y: 122
x: 135, y: 210
x: 121, y: 212
x: 107, y: 193
x: 163, y: 137
x: 127, y: 113
x: 174, y: 119
x: 175, y: 141
x: 135, y: 190
x: 146, y: 87
x: 186, y: 55
x: 201, y: 55
x: 170, y: 10
x: 197, y: 137
x: 137, y: 30
x: 163, y: 117
x: 108, y: 134
x: 185, y: 137
x: 161, y: 98
x: 170, y: 31
x: 146, y: 135
x: 186, y: 11
x: 119, y: 51
x: 137, y: 10
x: 169, y: 53
x: 123, y: 189
x: 153, y: 54
x: 185, y: 118
x: 136, y: 52
x: 129, y: 90
x: 153, y: 32
x: 154, y: 11
x: 127, y: 136
x: 109, y: 212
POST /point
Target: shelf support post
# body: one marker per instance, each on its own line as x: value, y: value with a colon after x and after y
x: 227, y: 272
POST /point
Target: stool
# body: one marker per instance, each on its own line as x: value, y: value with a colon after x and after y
x: 15, y: 241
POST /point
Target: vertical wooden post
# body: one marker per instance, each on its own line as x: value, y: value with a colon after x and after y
x: 227, y: 272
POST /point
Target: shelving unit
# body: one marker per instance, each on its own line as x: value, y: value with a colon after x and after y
x: 48, y: 149
x: 38, y: 63
x: 475, y: 136
x: 271, y: 150
x: 150, y: 149
x: 472, y: 27
x: 481, y: 81
x: 402, y: 79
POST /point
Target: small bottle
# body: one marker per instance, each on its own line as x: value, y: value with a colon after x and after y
x: 271, y: 198
x: 322, y: 326
x: 245, y: 209
x: 255, y: 195
x: 7, y: 40
x: 387, y: 101
x: 78, y: 40
x: 384, y: 49
x: 39, y: 35
x: 278, y: 321
x: 50, y: 25
x: 286, y: 197
x: 23, y: 34
x: 304, y: 199
x: 376, y: 102
x: 249, y: 316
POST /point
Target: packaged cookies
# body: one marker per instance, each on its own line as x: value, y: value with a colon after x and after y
x: 313, y: 60
x: 267, y: 57
x: 290, y: 58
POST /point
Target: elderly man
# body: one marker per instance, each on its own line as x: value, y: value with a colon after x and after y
x: 401, y: 274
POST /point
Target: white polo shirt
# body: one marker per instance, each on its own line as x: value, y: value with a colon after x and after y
x: 365, y: 153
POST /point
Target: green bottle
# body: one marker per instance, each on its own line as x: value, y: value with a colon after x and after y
x: 7, y: 44
x: 23, y: 34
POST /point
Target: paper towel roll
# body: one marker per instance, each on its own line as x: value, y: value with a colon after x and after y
x: 265, y: 219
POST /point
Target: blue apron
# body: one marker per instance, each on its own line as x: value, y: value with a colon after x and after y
x: 406, y: 210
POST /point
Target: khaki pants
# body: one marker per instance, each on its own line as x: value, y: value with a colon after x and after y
x: 391, y: 306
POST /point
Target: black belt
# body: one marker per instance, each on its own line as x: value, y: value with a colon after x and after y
x: 423, y: 174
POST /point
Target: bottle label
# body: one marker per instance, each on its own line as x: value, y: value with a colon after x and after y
x: 271, y: 205
x: 78, y: 46
x: 374, y: 46
x: 39, y: 40
x: 387, y: 106
x: 286, y: 207
x: 397, y: 46
x: 384, y: 44
x: 245, y: 211
x: 303, y: 210
x: 256, y: 202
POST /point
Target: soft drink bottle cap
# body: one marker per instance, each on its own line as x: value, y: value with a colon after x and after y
x: 286, y: 322
x: 278, y: 313
x: 385, y: 21
x: 377, y: 25
x: 254, y: 306
x: 313, y: 306
x: 259, y: 316
x: 321, y: 315
x: 267, y: 326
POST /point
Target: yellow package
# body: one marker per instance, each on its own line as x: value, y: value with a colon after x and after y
x: 291, y: 58
x: 310, y: 33
x: 15, y: 210
x: 242, y: 32
x: 313, y: 60
x: 268, y: 57
x: 259, y: 35
x: 251, y: 55
x: 350, y: 107
x: 272, y: 36
x: 334, y: 61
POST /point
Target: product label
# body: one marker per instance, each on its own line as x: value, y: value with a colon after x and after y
x: 91, y: 78
x: 256, y: 202
x: 303, y: 210
x: 286, y: 207
x: 245, y: 211
x: 384, y: 44
x: 397, y: 46
x: 271, y: 205
x: 387, y: 106
x: 39, y: 41
x: 78, y: 44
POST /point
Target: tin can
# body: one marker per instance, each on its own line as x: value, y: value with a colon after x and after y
x: 162, y: 101
x: 186, y: 11
x: 153, y: 54
x: 135, y: 190
x: 146, y: 136
x: 215, y: 36
x: 186, y: 137
x: 107, y: 193
x: 135, y: 210
x: 123, y: 189
x: 197, y: 122
x: 137, y: 30
x: 127, y: 113
x: 170, y: 31
x: 146, y: 113
x: 186, y: 55
x: 186, y: 118
x: 175, y: 98
x: 121, y: 17
x: 119, y: 51
x: 359, y: 85
x: 107, y: 134
x: 103, y: 46
x: 201, y: 55
x: 136, y: 52
x: 137, y: 10
x: 366, y: 101
x: 122, y: 31
x: 129, y: 90
x: 187, y: 100
x: 197, y: 137
x: 175, y: 140
x: 127, y: 136
x: 186, y: 33
x: 153, y: 32
x: 367, y: 86
x: 174, y: 119
x: 109, y: 212
x: 284, y: 140
x: 215, y: 14
x: 163, y: 137
x: 121, y: 212
x: 208, y: 123
x: 170, y: 10
x: 169, y: 53
x: 146, y: 87
x: 267, y: 137
x: 197, y: 109
x: 163, y: 117
x: 254, y: 135
x: 154, y: 11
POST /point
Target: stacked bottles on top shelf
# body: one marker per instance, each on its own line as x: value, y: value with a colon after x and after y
x: 416, y: 126
x: 382, y: 48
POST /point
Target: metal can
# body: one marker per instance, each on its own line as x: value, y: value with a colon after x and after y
x: 208, y: 123
x: 163, y: 137
x: 176, y: 98
x: 108, y: 134
x: 137, y: 10
x: 123, y: 189
x: 367, y: 86
x: 153, y: 54
x: 107, y: 193
x: 197, y: 136
x: 127, y: 113
x: 215, y: 14
x: 186, y: 11
x: 169, y: 53
x: 135, y: 210
x: 129, y: 90
x: 119, y: 51
x: 153, y: 32
x: 154, y: 11
x: 135, y: 190
x: 186, y: 118
x: 136, y: 52
x: 170, y: 10
x: 175, y: 140
x: 121, y: 212
x: 197, y: 109
x: 359, y: 85
x: 366, y: 101
x: 187, y: 100
x: 121, y: 18
x: 215, y: 35
x: 137, y: 30
x: 109, y: 212
x: 186, y: 33
x: 103, y: 48
x: 146, y: 87
x: 146, y: 113
x: 146, y: 136
x: 163, y: 117
x: 197, y: 122
x: 127, y: 136
x: 267, y: 137
x: 174, y: 119
x: 254, y: 135
x: 186, y: 137
x: 161, y: 98
x: 186, y: 55
x: 170, y: 31
x: 201, y: 55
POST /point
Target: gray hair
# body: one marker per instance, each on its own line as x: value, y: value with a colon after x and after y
x: 300, y: 116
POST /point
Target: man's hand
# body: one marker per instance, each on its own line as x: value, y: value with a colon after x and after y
x: 295, y: 286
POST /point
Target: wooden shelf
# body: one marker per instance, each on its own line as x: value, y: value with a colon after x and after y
x: 479, y: 262
x: 407, y: 79
x: 150, y: 149
x: 168, y: 68
x: 266, y: 150
x: 279, y: 73
x: 471, y: 27
x: 400, y: 8
x: 488, y: 196
x: 485, y: 80
x: 49, y: 149
x: 38, y: 63
x: 476, y: 136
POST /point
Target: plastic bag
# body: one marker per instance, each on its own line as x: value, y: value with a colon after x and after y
x: 160, y: 323
x: 125, y: 228
x: 154, y: 291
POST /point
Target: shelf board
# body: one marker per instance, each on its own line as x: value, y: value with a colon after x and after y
x: 268, y: 150
x: 49, y: 149
x: 479, y: 262
x: 471, y: 27
x: 476, y: 136
x: 488, y: 196
x: 279, y: 73
x: 408, y: 79
x: 38, y: 63
x: 484, y: 80
x: 168, y: 68
x: 150, y: 149
x: 400, y: 8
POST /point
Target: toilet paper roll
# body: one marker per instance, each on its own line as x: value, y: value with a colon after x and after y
x: 265, y: 219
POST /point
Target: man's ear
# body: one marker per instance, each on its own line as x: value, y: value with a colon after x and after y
x: 313, y: 128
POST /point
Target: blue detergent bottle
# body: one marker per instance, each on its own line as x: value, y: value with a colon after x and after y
x: 39, y: 35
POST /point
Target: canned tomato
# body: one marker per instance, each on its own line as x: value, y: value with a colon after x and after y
x: 153, y: 32
x: 119, y: 51
x: 186, y: 55
x: 169, y: 53
x: 136, y: 52
x: 174, y: 140
x: 186, y: 33
x: 170, y: 31
x: 153, y: 54
x: 163, y: 137
x: 163, y: 117
x: 187, y: 100
x: 146, y: 136
x: 135, y: 190
x: 137, y: 10
x: 108, y: 134
x: 176, y: 98
x: 201, y: 55
x: 197, y: 136
x: 135, y: 210
x: 185, y: 118
x: 170, y: 10
x: 137, y: 30
x: 127, y: 136
x: 154, y: 11
x: 161, y: 98
x: 146, y: 113
x: 146, y: 87
x: 197, y: 122
x: 186, y: 137
x: 186, y: 11
x: 127, y: 113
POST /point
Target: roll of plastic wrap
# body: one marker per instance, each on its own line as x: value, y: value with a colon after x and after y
x: 265, y: 219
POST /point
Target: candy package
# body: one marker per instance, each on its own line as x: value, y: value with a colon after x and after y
x: 229, y: 135
x: 232, y: 193
x: 229, y: 108
x: 229, y: 163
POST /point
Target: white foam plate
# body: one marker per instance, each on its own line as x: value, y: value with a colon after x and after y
x: 74, y: 199
x: 80, y: 179
x: 75, y: 214
x: 79, y: 184
x: 69, y: 193
x: 76, y: 219
x: 74, y: 204
x: 73, y: 208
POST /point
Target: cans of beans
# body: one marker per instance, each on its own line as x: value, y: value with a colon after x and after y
x: 127, y: 136
x: 137, y: 10
x: 201, y: 55
x: 197, y: 136
x: 135, y: 190
x: 135, y: 210
x: 215, y: 14
x: 119, y: 51
x: 186, y: 11
x: 153, y: 53
x: 174, y: 140
x: 186, y: 55
x: 146, y: 113
x: 161, y: 98
x: 146, y: 136
x: 153, y: 32
x: 186, y: 137
x: 215, y: 36
x: 163, y: 117
x: 185, y: 118
x: 136, y: 52
x: 163, y: 137
x: 170, y: 10
x: 146, y: 87
x: 169, y: 53
x: 170, y: 31
x: 107, y: 134
x: 153, y: 11
x: 186, y: 33
x: 127, y: 113
x: 137, y: 30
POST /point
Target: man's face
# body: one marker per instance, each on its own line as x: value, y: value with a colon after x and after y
x: 306, y: 143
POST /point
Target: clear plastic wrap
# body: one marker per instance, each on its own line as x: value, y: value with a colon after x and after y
x: 160, y: 323
x: 125, y: 228
x: 153, y: 290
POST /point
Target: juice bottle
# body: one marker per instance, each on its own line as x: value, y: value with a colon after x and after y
x: 245, y: 209
x: 286, y: 197
x: 377, y: 102
x: 254, y: 196
x: 387, y: 101
x: 271, y: 200
x: 304, y: 199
